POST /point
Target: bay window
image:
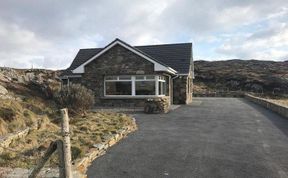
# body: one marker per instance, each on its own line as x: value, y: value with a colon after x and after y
x: 118, y: 88
x: 139, y: 85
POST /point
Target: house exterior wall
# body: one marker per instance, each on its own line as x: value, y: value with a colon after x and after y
x: 116, y: 61
x: 121, y: 61
x: 182, y: 89
x: 75, y: 80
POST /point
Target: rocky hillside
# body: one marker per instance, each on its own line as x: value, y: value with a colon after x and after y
x: 245, y: 75
x: 26, y: 97
x: 30, y: 121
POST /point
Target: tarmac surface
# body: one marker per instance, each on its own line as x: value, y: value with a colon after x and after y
x: 213, y: 137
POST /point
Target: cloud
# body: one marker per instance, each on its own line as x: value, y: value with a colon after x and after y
x: 48, y: 34
x: 267, y: 43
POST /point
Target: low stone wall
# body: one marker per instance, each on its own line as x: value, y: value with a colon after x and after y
x: 121, y: 102
x: 80, y: 166
x: 157, y: 105
x: 281, y: 110
x: 236, y: 94
x: 7, y: 139
x: 100, y: 149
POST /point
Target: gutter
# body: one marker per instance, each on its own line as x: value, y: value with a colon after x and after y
x: 177, y: 75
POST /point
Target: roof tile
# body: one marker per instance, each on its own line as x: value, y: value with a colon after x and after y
x: 177, y: 56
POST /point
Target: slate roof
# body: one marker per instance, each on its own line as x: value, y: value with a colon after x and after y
x: 177, y: 56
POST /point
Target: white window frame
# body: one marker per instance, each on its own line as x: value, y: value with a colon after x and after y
x: 133, y: 80
x: 161, y: 80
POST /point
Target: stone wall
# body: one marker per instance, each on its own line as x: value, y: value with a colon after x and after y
x: 281, y: 110
x: 121, y: 61
x: 157, y: 105
x: 6, y: 140
x: 122, y: 102
x: 80, y: 165
x: 182, y: 90
x: 189, y: 93
x: 100, y: 149
x: 75, y: 80
x: 235, y: 94
x: 116, y: 61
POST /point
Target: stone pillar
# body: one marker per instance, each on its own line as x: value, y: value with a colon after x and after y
x: 182, y: 90
x: 157, y: 105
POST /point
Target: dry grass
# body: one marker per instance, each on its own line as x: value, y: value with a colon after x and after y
x: 283, y: 102
x: 33, y: 108
x: 85, y: 131
x: 18, y: 114
x: 200, y: 87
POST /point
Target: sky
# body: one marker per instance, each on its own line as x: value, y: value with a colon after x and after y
x: 49, y: 33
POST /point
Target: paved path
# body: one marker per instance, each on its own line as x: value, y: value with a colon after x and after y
x: 213, y: 137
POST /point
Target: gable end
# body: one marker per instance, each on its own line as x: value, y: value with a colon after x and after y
x: 157, y: 65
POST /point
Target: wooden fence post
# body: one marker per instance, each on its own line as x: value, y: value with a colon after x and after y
x: 66, y: 143
x: 61, y: 158
x: 39, y: 166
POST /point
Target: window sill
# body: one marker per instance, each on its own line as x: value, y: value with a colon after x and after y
x: 132, y: 97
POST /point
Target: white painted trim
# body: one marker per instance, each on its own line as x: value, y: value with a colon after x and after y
x: 157, y: 66
x: 183, y: 74
x: 157, y: 86
x: 130, y: 96
x: 68, y: 82
x: 133, y: 86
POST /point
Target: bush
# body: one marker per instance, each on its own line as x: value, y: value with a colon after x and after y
x: 7, y: 114
x: 76, y: 152
x: 77, y: 98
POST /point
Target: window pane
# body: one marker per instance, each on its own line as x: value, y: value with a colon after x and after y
x: 139, y: 77
x: 111, y: 78
x: 145, y: 87
x: 149, y: 77
x: 162, y: 88
x: 118, y: 88
x: 124, y: 77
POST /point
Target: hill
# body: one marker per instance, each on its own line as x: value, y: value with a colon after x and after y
x: 26, y: 97
x: 27, y: 103
x: 245, y: 75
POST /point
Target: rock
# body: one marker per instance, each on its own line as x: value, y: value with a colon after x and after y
x: 99, y: 146
x: 42, y: 87
x: 6, y: 140
x: 157, y: 105
x: 29, y: 76
x: 112, y: 142
x: 3, y: 90
x: 20, y: 79
x: 3, y: 78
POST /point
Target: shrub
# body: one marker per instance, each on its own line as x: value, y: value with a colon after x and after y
x: 77, y: 98
x: 76, y: 152
x: 7, y: 114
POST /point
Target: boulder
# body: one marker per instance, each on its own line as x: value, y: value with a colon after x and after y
x: 3, y: 90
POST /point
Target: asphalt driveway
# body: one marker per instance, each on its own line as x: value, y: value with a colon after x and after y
x: 213, y: 137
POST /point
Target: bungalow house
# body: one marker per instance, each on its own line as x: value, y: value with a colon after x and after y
x: 123, y: 74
